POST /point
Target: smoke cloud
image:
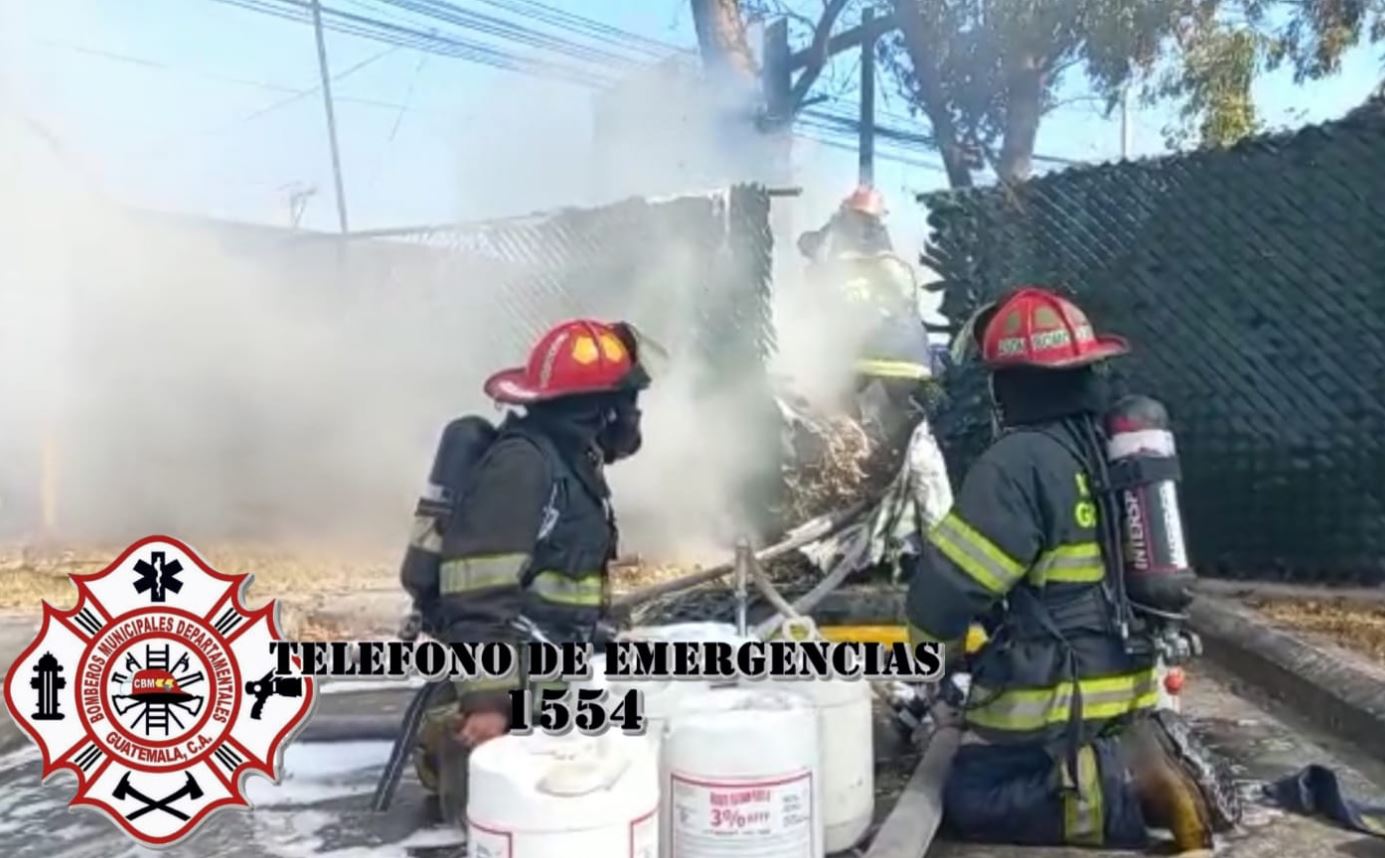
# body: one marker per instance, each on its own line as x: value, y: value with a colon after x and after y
x: 165, y: 375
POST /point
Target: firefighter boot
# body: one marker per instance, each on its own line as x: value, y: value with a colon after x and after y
x: 438, y: 723
x: 1169, y: 796
x: 452, y: 779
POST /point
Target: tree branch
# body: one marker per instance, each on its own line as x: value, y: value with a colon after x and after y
x: 920, y: 45
x: 721, y: 38
x: 818, y: 53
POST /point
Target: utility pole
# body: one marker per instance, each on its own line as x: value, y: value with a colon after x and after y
x: 1125, y: 123
x: 331, y: 117
x: 867, y: 130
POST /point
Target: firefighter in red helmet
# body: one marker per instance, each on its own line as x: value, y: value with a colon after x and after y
x: 1063, y: 746
x: 857, y: 227
x: 531, y: 529
x: 880, y: 329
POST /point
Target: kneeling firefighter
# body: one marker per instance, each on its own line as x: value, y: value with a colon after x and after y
x: 1063, y: 743
x: 518, y: 526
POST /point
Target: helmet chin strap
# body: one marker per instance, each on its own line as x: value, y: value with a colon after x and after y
x: 997, y: 412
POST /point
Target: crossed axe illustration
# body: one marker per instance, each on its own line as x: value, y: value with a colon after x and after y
x: 124, y: 790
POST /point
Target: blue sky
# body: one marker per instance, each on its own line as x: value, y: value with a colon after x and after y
x: 157, y: 100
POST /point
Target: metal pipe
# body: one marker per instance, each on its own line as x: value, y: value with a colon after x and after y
x: 811, y: 531
x: 803, y: 604
x: 745, y: 559
x: 775, y: 598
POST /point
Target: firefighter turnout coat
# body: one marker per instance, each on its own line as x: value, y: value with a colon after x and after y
x: 1020, y: 546
x: 532, y: 536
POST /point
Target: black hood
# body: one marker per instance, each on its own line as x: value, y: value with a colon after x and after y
x: 1025, y: 396
x: 571, y: 422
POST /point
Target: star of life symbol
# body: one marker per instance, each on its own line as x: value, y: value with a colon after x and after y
x: 157, y: 691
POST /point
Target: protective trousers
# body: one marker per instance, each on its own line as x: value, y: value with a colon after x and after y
x: 1025, y: 795
x: 440, y: 759
x: 1151, y: 774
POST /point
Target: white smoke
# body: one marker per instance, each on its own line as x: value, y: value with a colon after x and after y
x: 207, y: 383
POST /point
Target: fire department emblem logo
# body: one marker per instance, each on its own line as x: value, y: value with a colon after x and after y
x: 157, y: 691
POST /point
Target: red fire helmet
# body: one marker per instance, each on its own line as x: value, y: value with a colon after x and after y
x: 1037, y: 328
x: 574, y: 357
x: 866, y: 200
x: 155, y: 683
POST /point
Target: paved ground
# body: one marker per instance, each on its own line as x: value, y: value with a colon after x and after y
x: 320, y: 809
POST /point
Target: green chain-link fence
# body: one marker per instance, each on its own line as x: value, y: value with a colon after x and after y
x: 1252, y: 285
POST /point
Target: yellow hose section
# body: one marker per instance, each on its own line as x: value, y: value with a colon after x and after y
x: 866, y: 634
x: 976, y: 636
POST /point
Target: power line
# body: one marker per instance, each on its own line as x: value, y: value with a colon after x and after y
x: 298, y: 96
x: 500, y: 28
x: 375, y: 29
x: 448, y: 12
x: 268, y: 86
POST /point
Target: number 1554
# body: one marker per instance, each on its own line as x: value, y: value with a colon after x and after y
x: 558, y: 711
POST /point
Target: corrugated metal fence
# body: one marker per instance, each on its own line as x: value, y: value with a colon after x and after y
x: 1252, y: 283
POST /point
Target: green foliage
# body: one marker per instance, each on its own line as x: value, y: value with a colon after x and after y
x: 982, y: 73
x: 1212, y: 85
x: 964, y: 64
x: 1218, y: 61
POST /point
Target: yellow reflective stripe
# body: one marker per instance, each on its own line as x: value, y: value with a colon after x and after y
x: 1024, y: 710
x: 1079, y: 563
x: 565, y: 590
x: 465, y: 574
x: 424, y: 535
x: 976, y: 555
x: 893, y: 369
x: 1083, y: 815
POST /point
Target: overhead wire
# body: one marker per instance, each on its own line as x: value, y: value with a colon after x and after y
x: 404, y: 35
x: 599, y: 68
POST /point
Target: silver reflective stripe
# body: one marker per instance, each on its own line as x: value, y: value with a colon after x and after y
x: 424, y: 535
x: 1079, y: 563
x: 564, y: 590
x: 480, y: 573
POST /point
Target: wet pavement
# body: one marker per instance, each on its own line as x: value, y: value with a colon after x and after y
x: 320, y: 810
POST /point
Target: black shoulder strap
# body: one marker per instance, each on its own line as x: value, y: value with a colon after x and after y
x: 548, y: 453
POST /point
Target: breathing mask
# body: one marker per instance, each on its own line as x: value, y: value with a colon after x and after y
x: 620, y: 436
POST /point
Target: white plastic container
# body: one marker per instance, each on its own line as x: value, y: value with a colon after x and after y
x: 742, y: 777
x: 688, y: 632
x: 846, y: 731
x: 846, y: 727
x: 660, y: 697
x: 697, y: 632
x: 542, y: 796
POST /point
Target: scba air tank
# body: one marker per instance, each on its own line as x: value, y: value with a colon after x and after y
x: 742, y: 777
x: 544, y: 796
x: 1145, y: 472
